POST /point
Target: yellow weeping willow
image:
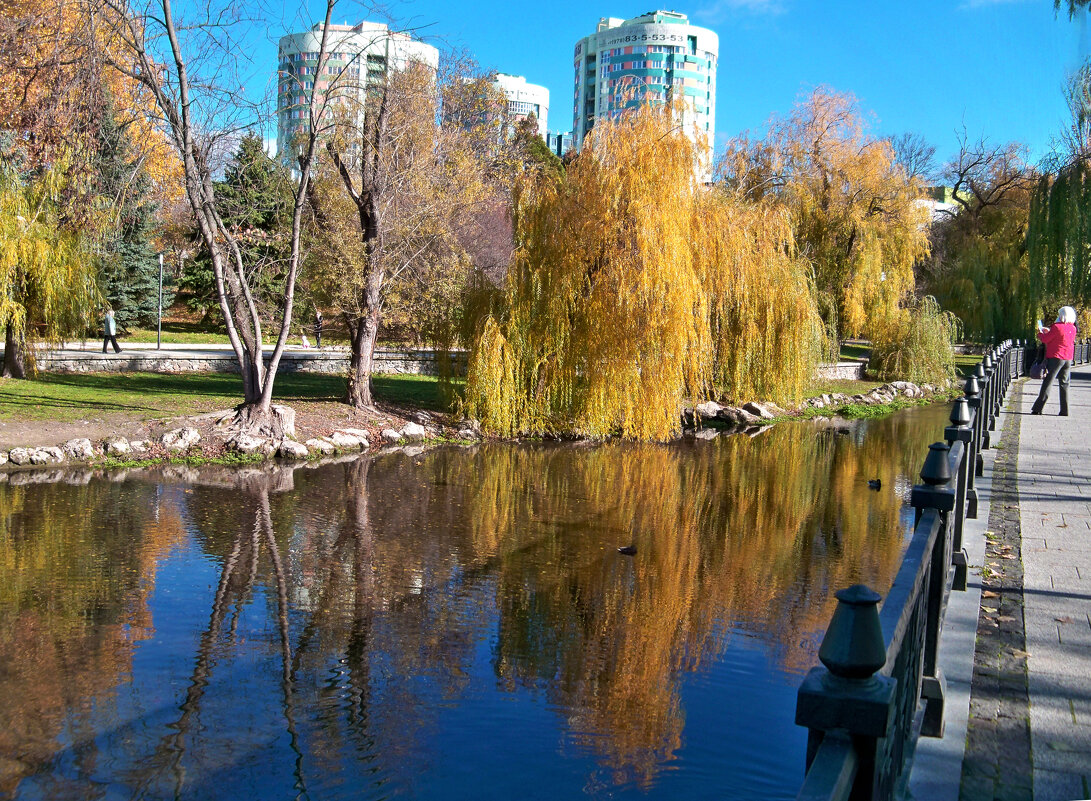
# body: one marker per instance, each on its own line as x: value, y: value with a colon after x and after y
x: 47, y: 276
x: 634, y: 288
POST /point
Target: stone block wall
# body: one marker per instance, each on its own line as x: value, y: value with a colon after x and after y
x: 387, y: 360
x: 852, y: 371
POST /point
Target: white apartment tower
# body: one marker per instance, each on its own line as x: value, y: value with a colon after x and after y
x: 359, y: 55
x: 657, y: 57
x: 524, y: 99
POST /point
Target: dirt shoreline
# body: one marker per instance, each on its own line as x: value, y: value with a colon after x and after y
x: 328, y: 421
x: 313, y: 419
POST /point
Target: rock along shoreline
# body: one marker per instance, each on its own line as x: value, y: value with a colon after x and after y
x: 211, y: 437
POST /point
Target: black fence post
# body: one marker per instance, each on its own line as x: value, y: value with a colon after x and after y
x: 846, y: 694
x: 988, y: 396
x: 1005, y: 376
x: 981, y: 425
x: 972, y: 391
x: 936, y: 493
x: 959, y: 431
x: 1001, y: 384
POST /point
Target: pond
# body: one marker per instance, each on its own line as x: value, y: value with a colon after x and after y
x: 455, y: 623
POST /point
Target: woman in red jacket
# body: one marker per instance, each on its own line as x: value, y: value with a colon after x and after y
x: 1059, y: 339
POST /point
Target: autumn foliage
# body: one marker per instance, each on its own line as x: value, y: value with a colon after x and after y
x: 57, y: 81
x: 633, y: 288
x: 47, y: 275
x: 854, y: 210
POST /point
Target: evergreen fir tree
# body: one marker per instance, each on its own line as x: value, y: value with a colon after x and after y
x: 532, y: 148
x: 129, y: 266
x: 255, y: 202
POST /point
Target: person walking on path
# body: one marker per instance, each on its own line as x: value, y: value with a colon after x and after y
x: 1060, y: 340
x: 317, y: 328
x: 109, y: 331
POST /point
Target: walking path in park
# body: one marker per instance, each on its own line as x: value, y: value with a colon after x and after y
x: 1054, y: 479
x: 1017, y: 645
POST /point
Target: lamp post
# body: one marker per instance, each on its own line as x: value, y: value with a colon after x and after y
x: 159, y: 322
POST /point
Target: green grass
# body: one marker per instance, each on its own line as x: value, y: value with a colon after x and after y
x: 176, y: 333
x: 174, y: 337
x: 54, y: 396
x: 70, y: 397
x: 229, y: 459
x: 856, y: 411
x: 966, y: 362
x: 420, y: 391
x: 848, y: 352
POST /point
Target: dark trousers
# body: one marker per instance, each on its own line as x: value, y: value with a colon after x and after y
x: 318, y: 337
x: 110, y: 339
x: 1055, y: 368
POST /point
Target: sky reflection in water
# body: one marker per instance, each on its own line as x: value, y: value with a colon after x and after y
x: 445, y: 625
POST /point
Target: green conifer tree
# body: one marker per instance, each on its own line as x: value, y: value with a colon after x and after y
x: 129, y: 266
x: 255, y: 202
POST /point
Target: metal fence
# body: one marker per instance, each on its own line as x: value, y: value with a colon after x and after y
x: 880, y: 685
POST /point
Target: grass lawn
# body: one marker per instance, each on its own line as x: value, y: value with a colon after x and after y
x: 70, y: 397
x: 848, y: 352
x: 175, y: 333
x: 965, y: 363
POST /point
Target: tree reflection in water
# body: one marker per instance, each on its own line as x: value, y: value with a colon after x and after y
x: 236, y: 586
x: 351, y: 601
x: 74, y: 588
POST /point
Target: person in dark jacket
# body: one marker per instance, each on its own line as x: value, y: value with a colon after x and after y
x: 317, y: 328
x: 109, y: 332
x: 1060, y: 341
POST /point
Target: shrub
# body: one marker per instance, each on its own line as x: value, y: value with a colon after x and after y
x: 915, y: 344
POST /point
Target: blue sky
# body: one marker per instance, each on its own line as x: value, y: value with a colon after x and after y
x: 995, y: 67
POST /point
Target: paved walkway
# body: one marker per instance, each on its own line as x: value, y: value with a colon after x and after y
x: 1048, y: 508
x: 1055, y: 518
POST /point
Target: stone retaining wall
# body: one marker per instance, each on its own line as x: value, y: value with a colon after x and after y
x: 853, y: 371
x: 387, y: 360
x: 414, y: 362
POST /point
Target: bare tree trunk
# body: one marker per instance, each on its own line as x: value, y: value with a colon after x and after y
x: 13, y: 355
x: 187, y: 109
x: 365, y: 331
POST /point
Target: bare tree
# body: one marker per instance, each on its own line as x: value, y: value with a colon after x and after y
x: 915, y: 155
x: 1074, y: 6
x: 983, y: 175
x: 1073, y: 143
x: 192, y: 67
x: 403, y: 174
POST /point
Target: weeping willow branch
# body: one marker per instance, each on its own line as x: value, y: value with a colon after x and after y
x: 634, y: 288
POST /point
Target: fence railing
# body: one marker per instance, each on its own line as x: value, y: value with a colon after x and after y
x: 880, y: 684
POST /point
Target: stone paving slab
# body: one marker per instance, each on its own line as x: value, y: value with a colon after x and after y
x: 1054, y: 479
x: 1027, y: 734
x: 938, y: 762
x: 1051, y: 784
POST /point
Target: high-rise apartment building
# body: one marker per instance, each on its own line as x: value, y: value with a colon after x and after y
x: 524, y: 99
x: 657, y: 57
x: 559, y: 142
x: 359, y: 55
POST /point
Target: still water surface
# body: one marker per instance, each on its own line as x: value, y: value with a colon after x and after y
x: 453, y: 624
